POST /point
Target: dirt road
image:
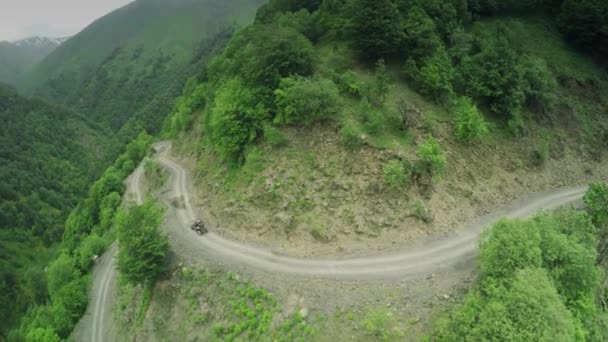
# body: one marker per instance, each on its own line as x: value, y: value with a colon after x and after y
x: 426, y: 258
x: 410, y: 262
x: 96, y: 324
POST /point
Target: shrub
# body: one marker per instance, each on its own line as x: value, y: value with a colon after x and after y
x: 469, y: 122
x: 395, y: 174
x: 274, y: 137
x: 350, y: 135
x: 305, y: 101
x: 42, y: 335
x: 596, y: 200
x: 372, y: 118
x: 381, y: 324
x: 431, y: 159
x: 91, y: 246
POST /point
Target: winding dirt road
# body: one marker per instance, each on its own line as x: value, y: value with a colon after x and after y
x: 412, y: 262
x: 415, y: 261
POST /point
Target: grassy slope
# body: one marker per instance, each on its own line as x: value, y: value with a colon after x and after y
x: 102, y: 70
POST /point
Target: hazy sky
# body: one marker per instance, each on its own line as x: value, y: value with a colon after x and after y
x: 54, y: 18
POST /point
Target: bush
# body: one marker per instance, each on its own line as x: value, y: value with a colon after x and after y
x: 274, y: 137
x: 350, y: 135
x: 305, y: 101
x: 91, y: 246
x: 372, y: 118
x: 431, y: 159
x: 596, y: 200
x: 395, y: 174
x: 469, y: 122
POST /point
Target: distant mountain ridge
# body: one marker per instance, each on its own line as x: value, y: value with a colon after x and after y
x: 19, y: 57
x: 134, y: 55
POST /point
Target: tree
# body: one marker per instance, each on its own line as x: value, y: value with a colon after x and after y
x: 236, y: 119
x: 585, y: 23
x: 434, y: 77
x: 376, y: 29
x: 91, y: 246
x: 469, y: 122
x: 42, y: 335
x: 596, y: 200
x: 143, y: 249
x: 512, y: 245
x: 382, y: 81
x: 494, y: 74
x: 61, y: 272
x: 422, y: 40
x: 304, y: 101
x: 431, y: 159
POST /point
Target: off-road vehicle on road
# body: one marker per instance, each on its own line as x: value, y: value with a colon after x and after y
x: 199, y: 227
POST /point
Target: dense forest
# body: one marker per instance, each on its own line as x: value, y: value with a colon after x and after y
x: 49, y: 157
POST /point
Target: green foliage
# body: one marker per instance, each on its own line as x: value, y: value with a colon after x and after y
x: 350, y: 136
x: 512, y: 245
x: 422, y: 40
x: 42, y: 335
x: 143, y: 249
x: 596, y: 200
x: 395, y: 174
x: 376, y: 29
x: 92, y: 245
x: 263, y: 54
x: 469, y: 122
x: 236, y: 119
x: 539, y: 281
x: 305, y: 101
x: 61, y: 272
x: 372, y: 118
x: 382, y: 81
x: 431, y: 159
x: 540, y: 84
x: 380, y: 323
x: 585, y: 23
x: 274, y: 136
x: 434, y: 77
x: 494, y: 74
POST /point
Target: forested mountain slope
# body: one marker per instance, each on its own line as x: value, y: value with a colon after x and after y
x: 49, y: 156
x: 123, y: 61
x: 18, y: 58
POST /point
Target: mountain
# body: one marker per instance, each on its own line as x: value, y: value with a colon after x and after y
x: 19, y: 57
x: 124, y: 60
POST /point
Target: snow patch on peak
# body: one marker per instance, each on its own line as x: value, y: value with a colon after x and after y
x: 40, y: 41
